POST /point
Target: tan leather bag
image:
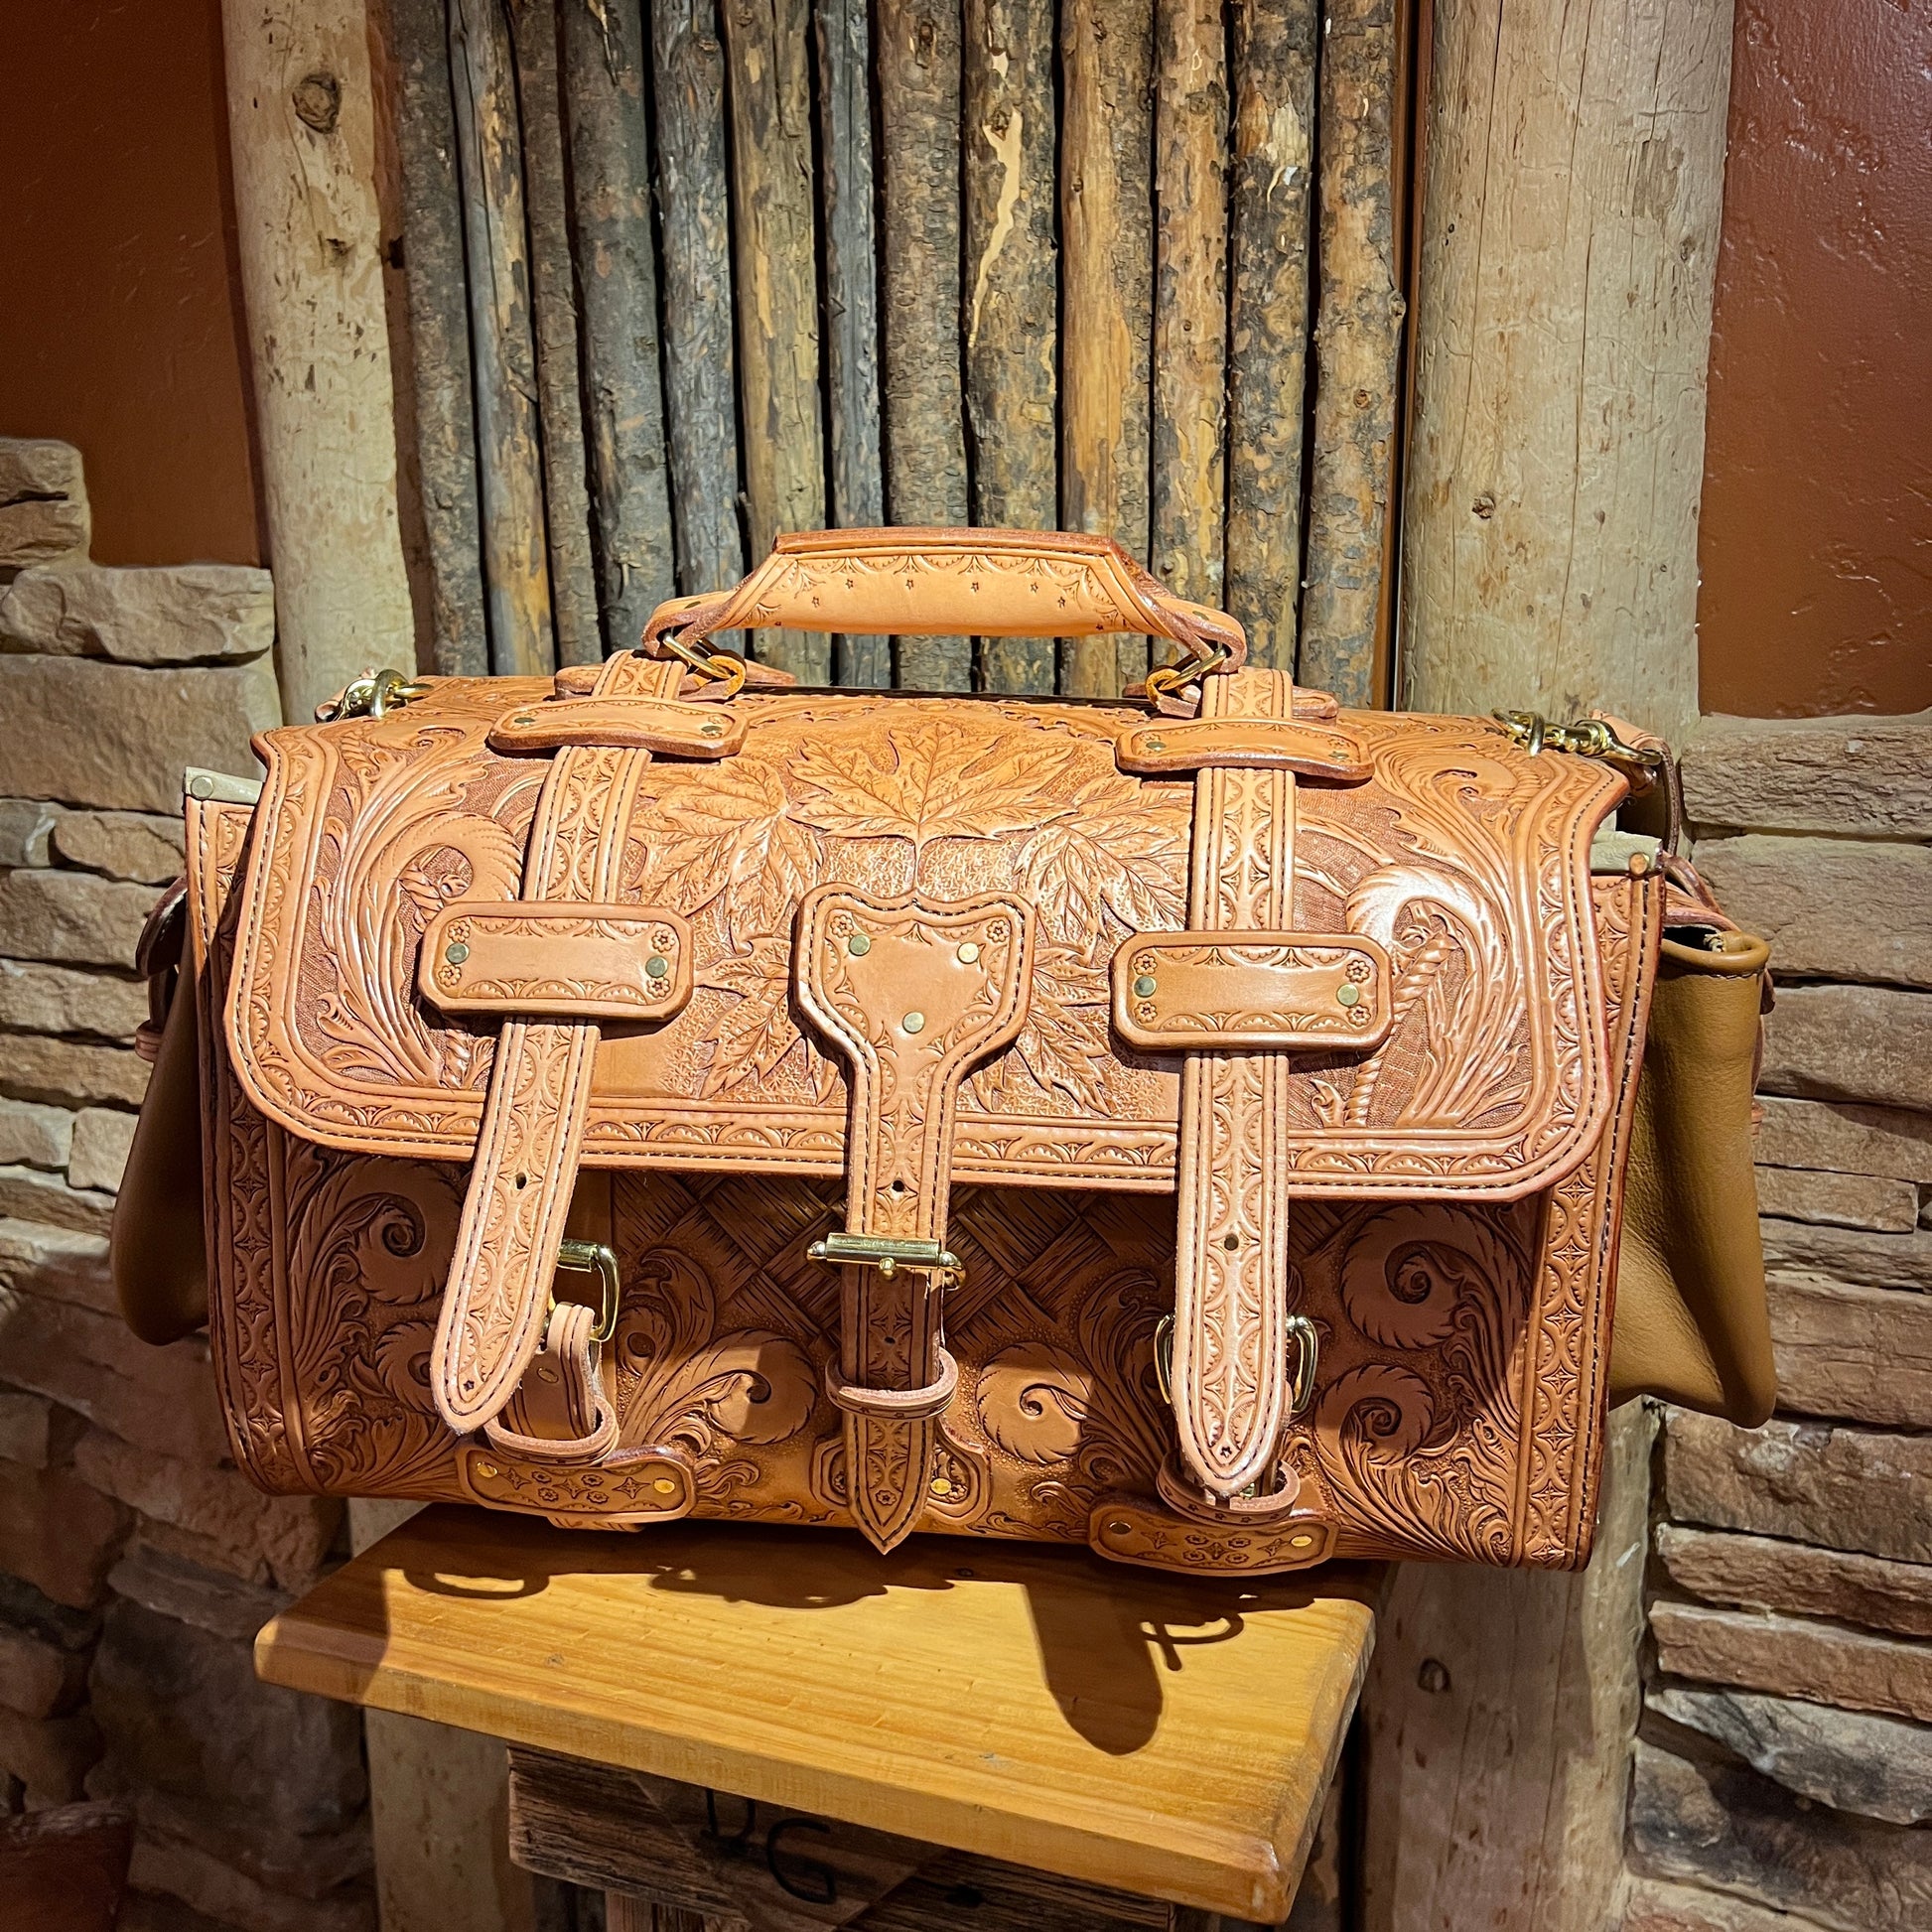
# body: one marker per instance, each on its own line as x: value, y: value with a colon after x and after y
x: 1193, y: 1125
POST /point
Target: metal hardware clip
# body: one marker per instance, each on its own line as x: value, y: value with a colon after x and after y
x: 594, y: 1258
x: 888, y: 1254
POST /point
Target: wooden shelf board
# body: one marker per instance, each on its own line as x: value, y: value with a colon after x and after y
x: 1169, y: 1735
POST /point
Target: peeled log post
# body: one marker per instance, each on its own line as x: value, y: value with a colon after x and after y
x: 1569, y: 244
x: 919, y: 67
x: 1268, y: 333
x: 694, y: 210
x: 851, y: 299
x: 1011, y: 293
x: 553, y: 303
x: 617, y: 270
x: 1191, y: 313
x: 1570, y: 225
x: 1359, y: 348
x: 302, y: 127
x: 445, y: 434
x: 1107, y: 301
x: 768, y: 42
x: 502, y: 348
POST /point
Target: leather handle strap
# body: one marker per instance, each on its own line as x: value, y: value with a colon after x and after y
x: 935, y: 582
x: 527, y: 1150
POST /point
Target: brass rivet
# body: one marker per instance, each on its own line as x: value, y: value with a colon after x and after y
x: 1348, y: 995
x: 941, y: 1486
x: 657, y: 966
x: 665, y: 1486
x: 488, y: 1468
x: 711, y: 731
x: 201, y: 785
x: 1300, y: 1542
x: 858, y: 945
x: 913, y: 1023
x: 523, y: 718
x: 456, y: 952
x: 1156, y: 744
x: 968, y: 953
x: 1146, y: 987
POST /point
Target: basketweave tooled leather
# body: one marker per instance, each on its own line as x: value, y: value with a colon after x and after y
x: 1434, y: 1196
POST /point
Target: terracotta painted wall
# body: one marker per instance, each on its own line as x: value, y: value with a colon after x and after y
x: 1817, y: 522
x: 120, y: 325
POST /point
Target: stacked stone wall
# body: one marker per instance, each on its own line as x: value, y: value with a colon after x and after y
x: 136, y: 1563
x: 1784, y: 1772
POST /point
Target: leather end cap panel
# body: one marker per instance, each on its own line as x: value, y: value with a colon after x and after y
x: 638, y: 1485
x: 1309, y: 991
x: 556, y: 960
x: 1126, y: 1530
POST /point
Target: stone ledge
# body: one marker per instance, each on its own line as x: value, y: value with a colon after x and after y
x: 43, y: 516
x: 34, y: 1135
x: 1863, y: 1354
x: 27, y: 1195
x: 1757, y: 1573
x: 102, y: 1140
x: 1850, y: 1043
x: 1845, y: 1137
x: 37, y: 1066
x: 39, y: 998
x: 236, y: 1902
x: 145, y: 847
x: 1860, y: 776
x: 71, y: 918
x: 1859, y: 1255
x: 1653, y: 1905
x: 1842, y: 1201
x: 181, y: 613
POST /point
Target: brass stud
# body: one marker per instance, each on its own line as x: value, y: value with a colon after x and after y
x: 665, y: 1486
x: 1348, y: 994
x: 913, y: 1023
x: 1155, y: 744
x: 657, y: 966
x: 1146, y: 987
x: 523, y: 718
x: 968, y: 953
x: 942, y: 1485
x: 712, y: 729
x: 456, y: 952
x: 1300, y: 1542
x: 859, y: 945
x: 486, y: 1468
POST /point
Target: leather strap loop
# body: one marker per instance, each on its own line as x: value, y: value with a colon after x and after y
x: 561, y: 1411
x: 902, y: 1405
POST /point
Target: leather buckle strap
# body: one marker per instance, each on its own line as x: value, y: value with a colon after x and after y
x: 912, y: 994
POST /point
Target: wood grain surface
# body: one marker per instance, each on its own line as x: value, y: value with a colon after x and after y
x: 1163, y: 1735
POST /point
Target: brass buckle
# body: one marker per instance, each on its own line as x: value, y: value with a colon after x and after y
x: 1307, y: 1354
x: 371, y: 695
x: 888, y: 1254
x: 594, y: 1258
x: 1169, y: 680
x: 1592, y: 738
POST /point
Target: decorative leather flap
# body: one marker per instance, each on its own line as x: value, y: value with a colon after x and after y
x: 1463, y: 857
x: 1172, y: 746
x: 668, y: 726
x: 557, y: 960
x: 1317, y: 991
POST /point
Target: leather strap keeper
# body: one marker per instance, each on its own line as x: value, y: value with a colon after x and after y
x: 666, y: 726
x: 1322, y: 752
x: 1314, y: 991
x: 557, y: 960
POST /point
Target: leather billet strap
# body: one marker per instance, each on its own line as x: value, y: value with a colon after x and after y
x: 495, y: 1306
x: 560, y: 1410
x: 912, y: 994
x: 1231, y: 1285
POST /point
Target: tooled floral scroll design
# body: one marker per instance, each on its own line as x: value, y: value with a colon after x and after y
x: 683, y: 1385
x: 368, y: 1244
x: 1420, y: 1444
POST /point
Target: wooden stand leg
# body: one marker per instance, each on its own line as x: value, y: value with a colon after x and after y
x: 624, y: 1913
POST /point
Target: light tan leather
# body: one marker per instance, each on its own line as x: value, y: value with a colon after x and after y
x: 559, y: 960
x: 1322, y: 992
x: 1435, y: 1210
x: 157, y: 1251
x: 912, y: 993
x: 1187, y: 745
x: 930, y: 582
x: 1692, y: 1324
x: 669, y: 727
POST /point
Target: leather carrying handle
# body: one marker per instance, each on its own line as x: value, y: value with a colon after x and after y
x: 937, y: 582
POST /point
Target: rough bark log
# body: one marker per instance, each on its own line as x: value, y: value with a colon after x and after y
x: 768, y: 44
x: 439, y: 341
x: 604, y: 69
x: 1107, y: 301
x: 1500, y: 1705
x: 850, y: 298
x: 553, y: 304
x: 1569, y: 244
x: 694, y: 208
x: 1191, y: 313
x: 1011, y: 293
x: 310, y: 239
x: 1358, y: 342
x: 918, y: 66
x: 503, y: 345
x: 1267, y: 335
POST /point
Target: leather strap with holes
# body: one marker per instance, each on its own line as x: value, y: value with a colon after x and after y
x: 495, y: 1307
x: 912, y: 994
x: 1232, y: 1282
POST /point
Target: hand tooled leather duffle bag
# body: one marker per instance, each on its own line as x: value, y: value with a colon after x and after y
x: 1191, y: 1125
